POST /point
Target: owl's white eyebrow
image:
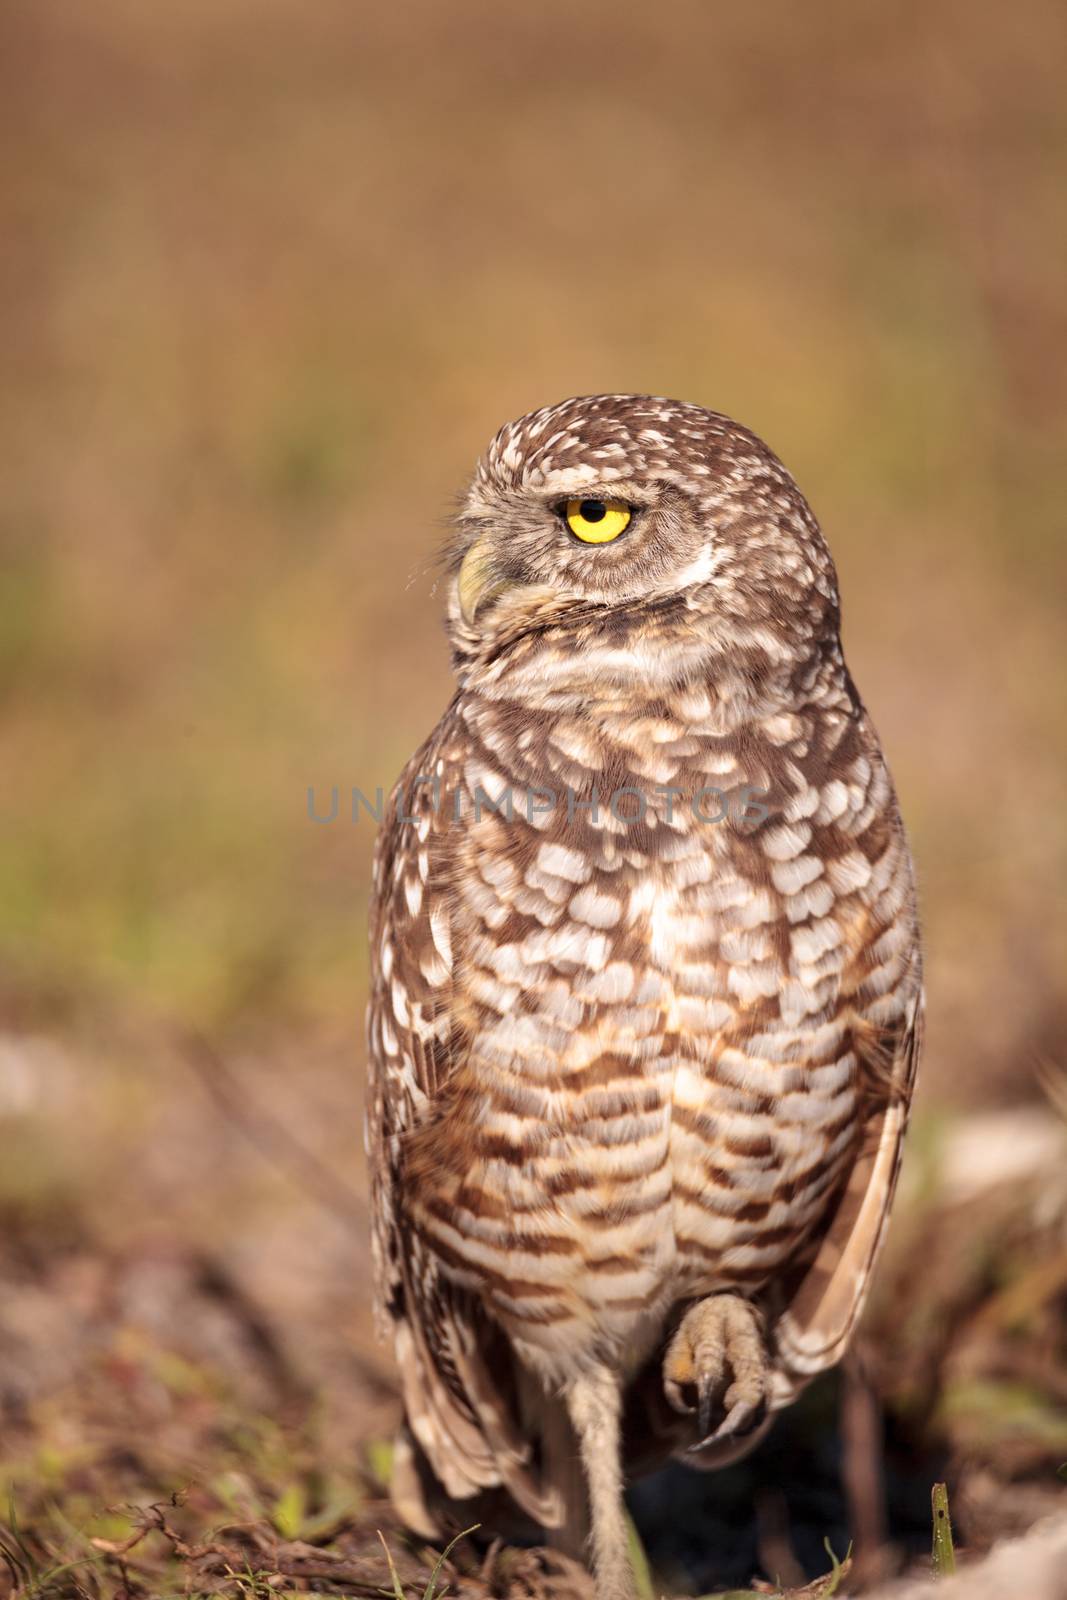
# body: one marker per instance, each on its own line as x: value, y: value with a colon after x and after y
x: 596, y: 489
x: 582, y: 475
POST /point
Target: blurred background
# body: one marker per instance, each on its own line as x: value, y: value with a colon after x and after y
x: 271, y: 277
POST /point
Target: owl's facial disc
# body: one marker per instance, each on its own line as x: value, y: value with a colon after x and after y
x: 546, y: 541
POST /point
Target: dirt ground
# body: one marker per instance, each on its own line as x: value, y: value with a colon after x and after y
x: 192, y: 1401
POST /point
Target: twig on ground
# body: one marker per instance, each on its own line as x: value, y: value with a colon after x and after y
x: 270, y: 1136
x: 861, y: 1463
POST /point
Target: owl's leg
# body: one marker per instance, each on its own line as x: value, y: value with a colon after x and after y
x: 594, y: 1402
x: 718, y: 1359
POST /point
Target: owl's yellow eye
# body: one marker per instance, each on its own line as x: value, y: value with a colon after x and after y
x: 597, y: 521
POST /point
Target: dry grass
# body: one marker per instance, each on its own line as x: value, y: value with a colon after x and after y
x: 189, y: 1375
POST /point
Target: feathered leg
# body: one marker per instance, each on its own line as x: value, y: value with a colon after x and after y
x: 594, y: 1402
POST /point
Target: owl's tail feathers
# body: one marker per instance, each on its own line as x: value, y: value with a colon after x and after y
x: 459, y: 1411
x: 494, y: 1405
x: 411, y: 1495
x: 449, y: 1436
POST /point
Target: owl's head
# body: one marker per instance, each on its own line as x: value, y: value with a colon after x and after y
x: 597, y: 512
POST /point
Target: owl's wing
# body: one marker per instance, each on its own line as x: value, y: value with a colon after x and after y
x: 825, y: 1300
x: 814, y: 1330
x: 457, y: 1400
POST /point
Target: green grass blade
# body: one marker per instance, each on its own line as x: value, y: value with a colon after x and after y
x: 944, y: 1552
x: 398, y: 1593
x: 837, y: 1570
x: 639, y: 1562
x: 431, y: 1588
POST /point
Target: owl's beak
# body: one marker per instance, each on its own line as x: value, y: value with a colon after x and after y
x: 480, y: 580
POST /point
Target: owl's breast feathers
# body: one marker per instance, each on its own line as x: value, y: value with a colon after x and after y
x: 624, y: 1054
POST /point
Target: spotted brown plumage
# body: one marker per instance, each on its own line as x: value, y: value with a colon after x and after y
x: 647, y: 988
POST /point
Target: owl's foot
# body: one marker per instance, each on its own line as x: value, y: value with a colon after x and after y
x: 717, y: 1362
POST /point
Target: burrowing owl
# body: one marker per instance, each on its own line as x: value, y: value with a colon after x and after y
x: 647, y: 991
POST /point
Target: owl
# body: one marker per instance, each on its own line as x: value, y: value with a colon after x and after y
x: 646, y: 1000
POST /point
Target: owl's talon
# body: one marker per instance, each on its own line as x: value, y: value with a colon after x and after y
x: 718, y: 1338
x: 738, y: 1420
x: 706, y: 1394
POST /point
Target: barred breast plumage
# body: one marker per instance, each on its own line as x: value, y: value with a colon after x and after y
x: 647, y: 976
